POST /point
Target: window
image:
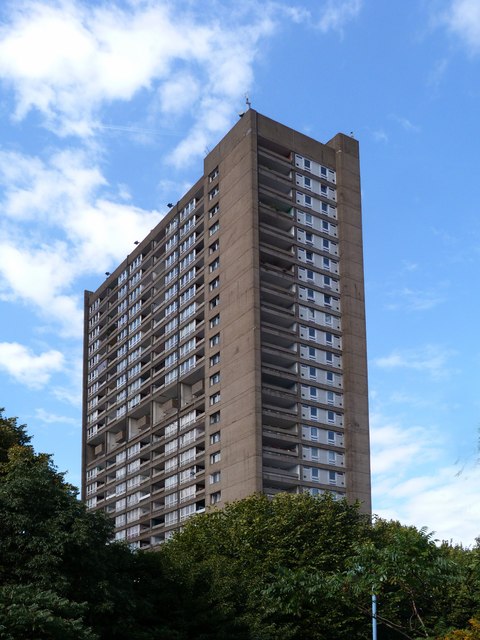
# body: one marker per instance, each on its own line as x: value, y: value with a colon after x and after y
x: 309, y: 237
x: 327, y: 300
x: 215, y: 398
x: 215, y: 378
x: 307, y: 201
x: 330, y: 397
x: 171, y: 500
x: 332, y: 477
x: 215, y: 418
x: 332, y: 457
x: 213, y: 175
x: 214, y: 247
x: 214, y: 265
x: 327, y: 282
x: 215, y: 283
x: 328, y: 317
x: 214, y: 192
x: 329, y: 377
x: 307, y: 183
x: 331, y: 437
x: 214, y: 228
x: 310, y: 275
x: 171, y: 518
x: 215, y: 497
x: 215, y: 437
x: 306, y: 164
x: 214, y: 210
x: 172, y: 481
x: 214, y: 321
x: 328, y: 357
x: 215, y: 457
x: 330, y: 416
x: 215, y: 340
x: 214, y: 302
x: 312, y: 333
x: 308, y: 219
x: 215, y: 359
x: 309, y: 257
x: 215, y: 477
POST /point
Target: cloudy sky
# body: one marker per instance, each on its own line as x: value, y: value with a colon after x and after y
x: 107, y: 109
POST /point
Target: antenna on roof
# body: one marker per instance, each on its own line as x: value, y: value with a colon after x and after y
x: 248, y: 103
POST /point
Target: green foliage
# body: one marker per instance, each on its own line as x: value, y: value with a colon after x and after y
x: 298, y: 566
x: 60, y: 575
x: 410, y: 576
x: 290, y: 568
x: 472, y: 633
x: 11, y: 434
x: 27, y: 612
x: 256, y: 554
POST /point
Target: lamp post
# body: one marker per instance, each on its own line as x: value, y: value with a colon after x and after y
x: 374, y: 617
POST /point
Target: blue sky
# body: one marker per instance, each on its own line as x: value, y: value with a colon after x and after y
x: 106, y: 112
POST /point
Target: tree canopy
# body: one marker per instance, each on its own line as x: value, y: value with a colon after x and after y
x: 287, y: 568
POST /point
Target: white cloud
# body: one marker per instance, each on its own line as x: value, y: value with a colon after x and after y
x: 52, y: 418
x: 441, y: 500
x: 462, y: 18
x: 67, y: 59
x: 179, y: 93
x: 415, y: 299
x: 337, y: 13
x: 380, y: 135
x: 412, y: 482
x: 395, y: 448
x: 27, y: 368
x: 81, y: 231
x: 432, y: 359
x: 409, y: 266
x: 405, y: 123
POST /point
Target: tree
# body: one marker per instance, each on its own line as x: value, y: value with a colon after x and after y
x: 410, y: 575
x: 11, y: 434
x: 243, y: 553
x: 472, y: 633
x: 298, y: 566
x: 60, y: 574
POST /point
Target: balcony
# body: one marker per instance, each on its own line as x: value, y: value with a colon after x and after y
x: 277, y: 315
x: 279, y: 397
x: 276, y: 164
x: 276, y: 238
x: 281, y: 278
x: 275, y: 182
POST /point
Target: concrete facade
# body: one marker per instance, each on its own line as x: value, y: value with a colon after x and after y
x: 226, y: 355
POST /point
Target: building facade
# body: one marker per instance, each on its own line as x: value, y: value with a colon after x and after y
x: 226, y: 355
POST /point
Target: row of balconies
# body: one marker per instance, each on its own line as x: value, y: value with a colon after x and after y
x: 151, y: 255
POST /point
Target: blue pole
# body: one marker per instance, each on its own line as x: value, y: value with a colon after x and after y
x: 374, y: 617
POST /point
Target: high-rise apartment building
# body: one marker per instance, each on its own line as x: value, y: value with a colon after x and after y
x: 226, y: 355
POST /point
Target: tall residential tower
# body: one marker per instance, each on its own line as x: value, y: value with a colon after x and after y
x: 226, y: 355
